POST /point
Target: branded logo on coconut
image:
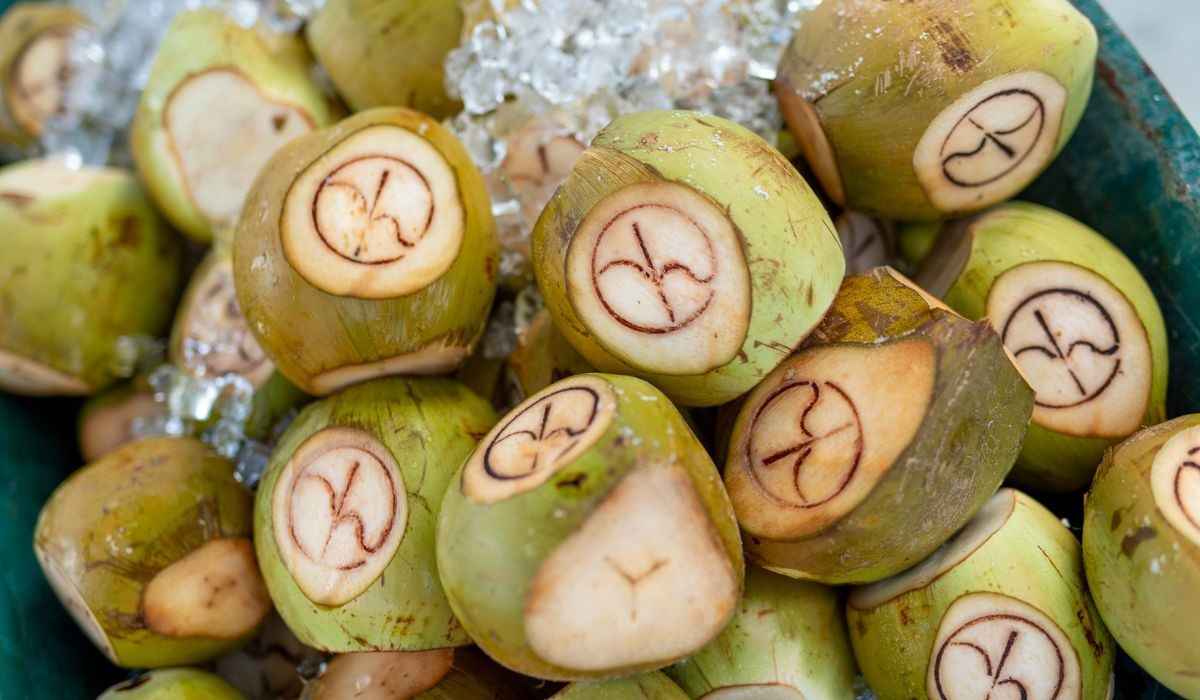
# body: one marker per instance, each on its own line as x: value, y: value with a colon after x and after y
x: 998, y: 656
x: 819, y: 463
x: 651, y: 282
x: 1072, y: 341
x: 993, y: 138
x: 1175, y: 482
x: 545, y: 433
x: 373, y: 210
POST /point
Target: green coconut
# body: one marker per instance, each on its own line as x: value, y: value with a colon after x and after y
x: 210, y: 339
x: 149, y: 549
x: 588, y: 535
x: 651, y: 686
x: 173, y: 684
x: 388, y: 52
x: 107, y: 420
x: 787, y: 641
x: 372, y: 252
x: 1002, y: 610
x: 1080, y: 320
x: 198, y: 161
x: 86, y: 261
x: 1141, y: 549
x: 918, y: 111
x: 541, y: 357
x: 914, y: 242
x: 685, y: 250
x: 346, y: 512
x: 35, y: 44
x: 880, y: 438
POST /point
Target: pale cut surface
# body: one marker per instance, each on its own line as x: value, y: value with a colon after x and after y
x: 990, y: 142
x: 864, y: 242
x: 992, y: 646
x: 377, y: 216
x: 434, y: 358
x: 216, y: 339
x: 763, y: 691
x: 49, y: 178
x: 644, y: 580
x: 805, y: 124
x: 21, y: 375
x: 538, y: 438
x: 1175, y: 482
x: 215, y: 591
x: 539, y: 157
x: 39, y: 76
x: 382, y: 675
x: 107, y: 428
x: 70, y: 598
x: 657, y: 274
x: 1079, y: 343
x: 974, y: 534
x: 219, y: 152
x: 819, y: 434
x: 339, y: 512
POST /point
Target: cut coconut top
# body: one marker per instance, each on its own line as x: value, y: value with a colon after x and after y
x: 216, y: 339
x: 657, y: 273
x: 64, y: 586
x: 538, y: 438
x: 377, y: 216
x: 1175, y: 482
x: 38, y: 78
x: 339, y: 512
x: 382, y: 674
x: 805, y: 124
x: 219, y: 152
x: 1079, y: 343
x: 992, y: 645
x: 990, y: 142
x: 822, y: 430
x: 49, y: 178
x: 644, y: 580
x: 760, y: 691
x: 27, y: 377
x: 537, y: 160
x: 106, y: 428
x: 986, y: 523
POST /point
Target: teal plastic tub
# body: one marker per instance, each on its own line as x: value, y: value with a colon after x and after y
x: 1132, y: 171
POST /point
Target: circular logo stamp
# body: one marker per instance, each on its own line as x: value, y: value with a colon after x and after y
x: 539, y: 437
x: 373, y: 210
x: 340, y: 510
x: 990, y: 142
x: 993, y: 646
x: 1175, y: 482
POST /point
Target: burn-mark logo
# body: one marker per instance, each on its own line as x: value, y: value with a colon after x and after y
x: 543, y: 434
x: 652, y: 266
x: 819, y: 463
x: 373, y: 210
x: 1071, y: 339
x: 993, y: 138
x: 1175, y: 482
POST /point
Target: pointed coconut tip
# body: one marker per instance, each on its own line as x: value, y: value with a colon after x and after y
x: 339, y: 512
x: 657, y: 581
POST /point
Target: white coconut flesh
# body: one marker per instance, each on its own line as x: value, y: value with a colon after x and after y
x: 21, y: 375
x: 377, y: 216
x: 25, y: 184
x: 339, y: 512
x: 538, y: 438
x: 805, y: 124
x: 537, y: 160
x: 218, y: 152
x: 216, y: 339
x: 992, y: 646
x: 991, y: 142
x: 1175, y: 482
x: 644, y: 580
x: 974, y: 534
x: 435, y: 358
x: 762, y: 691
x: 215, y: 591
x: 106, y: 428
x: 39, y: 78
x: 864, y: 242
x: 819, y: 434
x: 68, y: 594
x: 1080, y: 344
x: 384, y: 675
x: 657, y: 274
